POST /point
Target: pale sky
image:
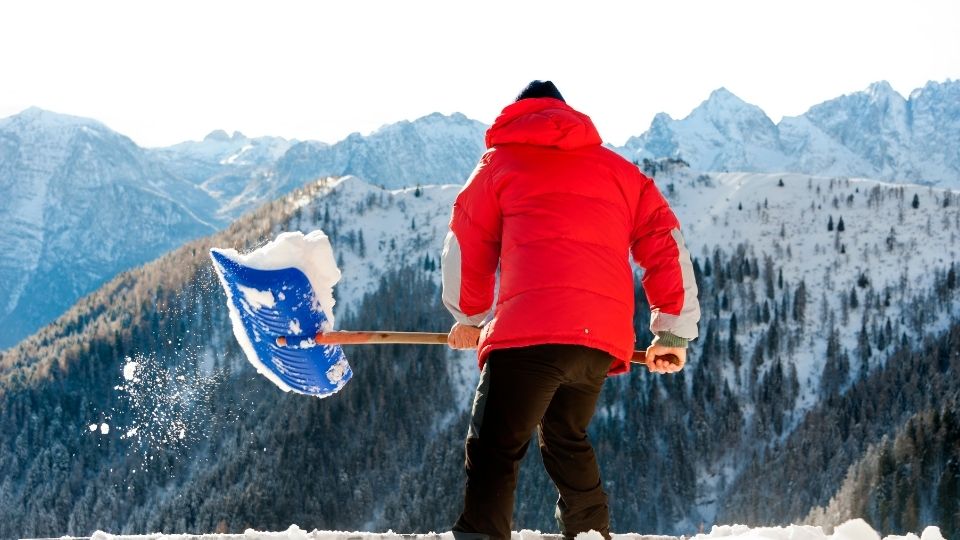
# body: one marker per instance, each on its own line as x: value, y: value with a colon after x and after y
x: 162, y: 72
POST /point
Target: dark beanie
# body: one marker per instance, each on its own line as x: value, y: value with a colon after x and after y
x: 540, y: 89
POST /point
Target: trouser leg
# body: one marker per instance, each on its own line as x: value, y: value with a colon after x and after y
x: 516, y: 387
x: 567, y: 453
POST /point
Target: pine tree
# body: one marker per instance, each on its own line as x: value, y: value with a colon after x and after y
x: 733, y: 350
x: 915, y: 203
x: 800, y: 302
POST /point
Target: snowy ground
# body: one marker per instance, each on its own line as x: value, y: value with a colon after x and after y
x: 856, y: 529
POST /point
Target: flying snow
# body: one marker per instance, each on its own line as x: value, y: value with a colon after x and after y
x: 129, y: 369
x: 161, y: 404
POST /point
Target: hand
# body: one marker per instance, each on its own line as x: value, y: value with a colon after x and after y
x: 657, y: 364
x: 463, y: 336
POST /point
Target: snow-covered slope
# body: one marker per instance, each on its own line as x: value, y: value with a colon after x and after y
x: 867, y: 275
x: 723, y: 133
x: 796, y: 220
x: 430, y: 150
x: 79, y: 203
x: 886, y: 246
x: 219, y: 154
x: 237, y: 149
x: 223, y: 164
x: 374, y: 231
x: 875, y: 133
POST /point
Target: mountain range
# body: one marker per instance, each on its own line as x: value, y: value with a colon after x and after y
x: 876, y: 133
x: 83, y: 203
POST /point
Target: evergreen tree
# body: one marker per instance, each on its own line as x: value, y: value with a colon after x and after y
x: 800, y: 301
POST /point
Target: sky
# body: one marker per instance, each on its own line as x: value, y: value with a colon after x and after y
x: 163, y: 72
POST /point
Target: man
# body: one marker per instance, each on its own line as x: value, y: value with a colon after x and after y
x: 557, y: 213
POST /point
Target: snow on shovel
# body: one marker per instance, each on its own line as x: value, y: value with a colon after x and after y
x: 280, y: 299
x: 285, y: 288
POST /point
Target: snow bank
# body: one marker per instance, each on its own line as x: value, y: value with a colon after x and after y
x: 856, y: 529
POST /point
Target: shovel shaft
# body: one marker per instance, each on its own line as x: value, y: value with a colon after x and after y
x: 357, y: 338
x: 342, y: 337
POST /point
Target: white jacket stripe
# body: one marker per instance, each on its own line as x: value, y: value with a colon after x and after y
x: 450, y: 264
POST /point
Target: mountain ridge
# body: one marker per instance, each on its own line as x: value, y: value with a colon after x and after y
x: 873, y: 133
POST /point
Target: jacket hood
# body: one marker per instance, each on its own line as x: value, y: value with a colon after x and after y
x: 543, y: 122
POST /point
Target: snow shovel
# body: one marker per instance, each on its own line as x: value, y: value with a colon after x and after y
x: 280, y: 303
x: 341, y: 337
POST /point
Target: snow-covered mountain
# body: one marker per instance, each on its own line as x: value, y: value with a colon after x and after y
x: 218, y: 152
x: 875, y: 133
x: 798, y: 321
x: 221, y: 164
x: 434, y: 149
x: 76, y: 192
x: 243, y: 173
x: 79, y: 204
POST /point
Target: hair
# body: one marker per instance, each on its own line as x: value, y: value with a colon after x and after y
x: 540, y: 89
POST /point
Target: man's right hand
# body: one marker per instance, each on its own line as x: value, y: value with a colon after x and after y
x: 463, y: 336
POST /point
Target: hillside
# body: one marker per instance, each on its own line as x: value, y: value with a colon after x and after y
x: 799, y: 324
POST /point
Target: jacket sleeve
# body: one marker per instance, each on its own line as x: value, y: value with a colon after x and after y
x: 471, y: 251
x: 668, y: 281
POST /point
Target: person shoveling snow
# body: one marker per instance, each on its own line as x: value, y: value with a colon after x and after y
x: 556, y: 212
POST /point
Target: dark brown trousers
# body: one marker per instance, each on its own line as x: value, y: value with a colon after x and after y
x: 553, y: 388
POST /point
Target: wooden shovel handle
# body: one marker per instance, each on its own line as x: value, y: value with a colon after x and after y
x: 342, y: 337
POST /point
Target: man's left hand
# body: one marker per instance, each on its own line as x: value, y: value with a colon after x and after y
x: 463, y: 336
x: 657, y: 363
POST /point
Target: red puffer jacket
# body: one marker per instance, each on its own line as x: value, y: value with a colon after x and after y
x: 558, y: 213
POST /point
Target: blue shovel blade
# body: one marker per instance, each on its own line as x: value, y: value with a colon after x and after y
x: 273, y: 303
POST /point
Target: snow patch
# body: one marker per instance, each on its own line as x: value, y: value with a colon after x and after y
x: 258, y: 299
x: 856, y: 529
x: 337, y: 371
x: 310, y: 253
